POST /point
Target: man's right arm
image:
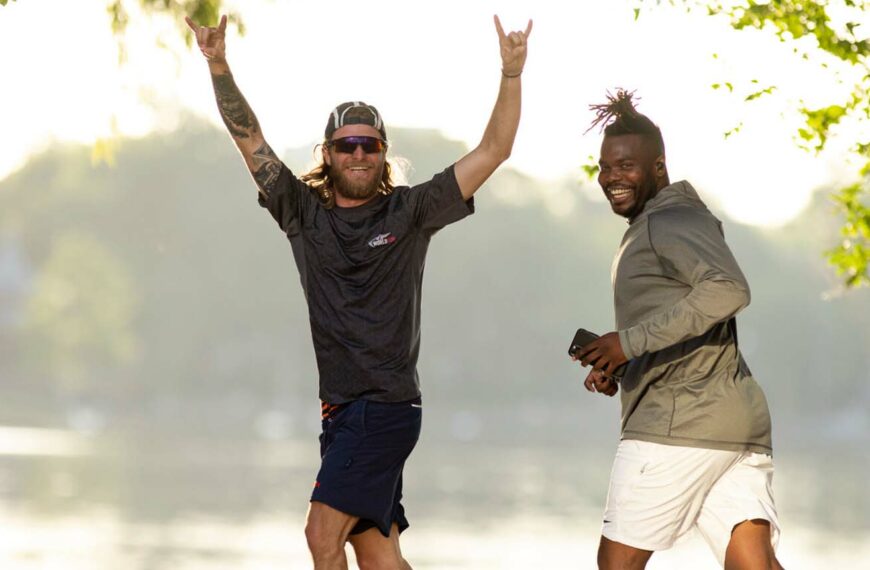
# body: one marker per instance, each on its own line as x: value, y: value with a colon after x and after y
x: 235, y: 112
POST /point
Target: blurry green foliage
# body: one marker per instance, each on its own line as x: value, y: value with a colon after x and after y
x: 591, y: 167
x: 81, y: 311
x: 808, y: 26
x: 795, y: 19
x: 203, y: 12
x: 219, y: 324
x: 852, y: 256
x: 760, y: 93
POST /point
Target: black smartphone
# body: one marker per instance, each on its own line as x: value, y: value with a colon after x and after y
x: 583, y: 337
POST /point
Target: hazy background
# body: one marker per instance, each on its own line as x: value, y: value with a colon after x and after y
x: 158, y: 391
x: 154, y: 328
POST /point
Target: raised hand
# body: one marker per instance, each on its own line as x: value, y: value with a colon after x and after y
x: 513, y: 49
x: 211, y: 41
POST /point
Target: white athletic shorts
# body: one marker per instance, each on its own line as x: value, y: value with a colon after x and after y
x: 658, y: 493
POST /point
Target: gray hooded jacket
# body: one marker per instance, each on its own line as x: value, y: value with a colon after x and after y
x: 677, y: 288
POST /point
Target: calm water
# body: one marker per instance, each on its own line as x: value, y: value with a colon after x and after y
x: 163, y: 503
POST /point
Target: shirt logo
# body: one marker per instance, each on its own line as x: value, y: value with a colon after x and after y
x: 382, y: 239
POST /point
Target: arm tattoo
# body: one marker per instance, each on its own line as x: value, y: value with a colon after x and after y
x: 235, y: 111
x: 266, y: 168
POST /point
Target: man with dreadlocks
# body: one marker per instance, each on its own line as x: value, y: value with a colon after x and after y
x: 695, y: 449
x: 359, y: 244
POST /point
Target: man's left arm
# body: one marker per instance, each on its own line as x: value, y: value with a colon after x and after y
x: 695, y: 253
x: 473, y: 169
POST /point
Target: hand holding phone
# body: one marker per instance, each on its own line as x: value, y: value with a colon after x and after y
x: 583, y: 337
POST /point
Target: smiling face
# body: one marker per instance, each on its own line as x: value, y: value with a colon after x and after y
x: 631, y: 172
x: 355, y: 175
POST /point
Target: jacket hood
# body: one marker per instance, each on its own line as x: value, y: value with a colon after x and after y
x: 677, y: 194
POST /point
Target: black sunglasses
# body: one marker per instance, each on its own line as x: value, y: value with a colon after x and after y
x: 347, y: 145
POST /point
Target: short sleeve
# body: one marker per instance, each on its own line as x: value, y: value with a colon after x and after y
x: 439, y: 201
x: 285, y: 200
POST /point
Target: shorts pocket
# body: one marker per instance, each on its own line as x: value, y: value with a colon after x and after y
x: 628, y: 471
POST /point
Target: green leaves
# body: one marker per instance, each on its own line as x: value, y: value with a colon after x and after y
x: 734, y: 130
x: 3, y: 2
x: 795, y: 19
x: 590, y: 168
x: 203, y: 12
x: 761, y: 93
x: 808, y: 26
x: 819, y: 123
x: 851, y: 257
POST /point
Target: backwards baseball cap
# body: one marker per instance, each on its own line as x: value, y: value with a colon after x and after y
x: 354, y: 113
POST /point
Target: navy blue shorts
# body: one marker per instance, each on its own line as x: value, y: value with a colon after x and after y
x: 363, y: 449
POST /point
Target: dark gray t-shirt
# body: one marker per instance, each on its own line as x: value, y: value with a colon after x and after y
x: 362, y: 271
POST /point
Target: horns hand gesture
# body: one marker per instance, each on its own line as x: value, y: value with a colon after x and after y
x: 513, y: 49
x: 211, y: 41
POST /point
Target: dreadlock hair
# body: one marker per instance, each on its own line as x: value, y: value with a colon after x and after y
x: 320, y: 181
x: 619, y: 117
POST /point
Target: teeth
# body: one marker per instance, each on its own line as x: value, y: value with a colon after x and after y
x: 619, y: 192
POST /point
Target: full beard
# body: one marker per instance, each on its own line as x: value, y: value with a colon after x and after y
x: 356, y: 189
